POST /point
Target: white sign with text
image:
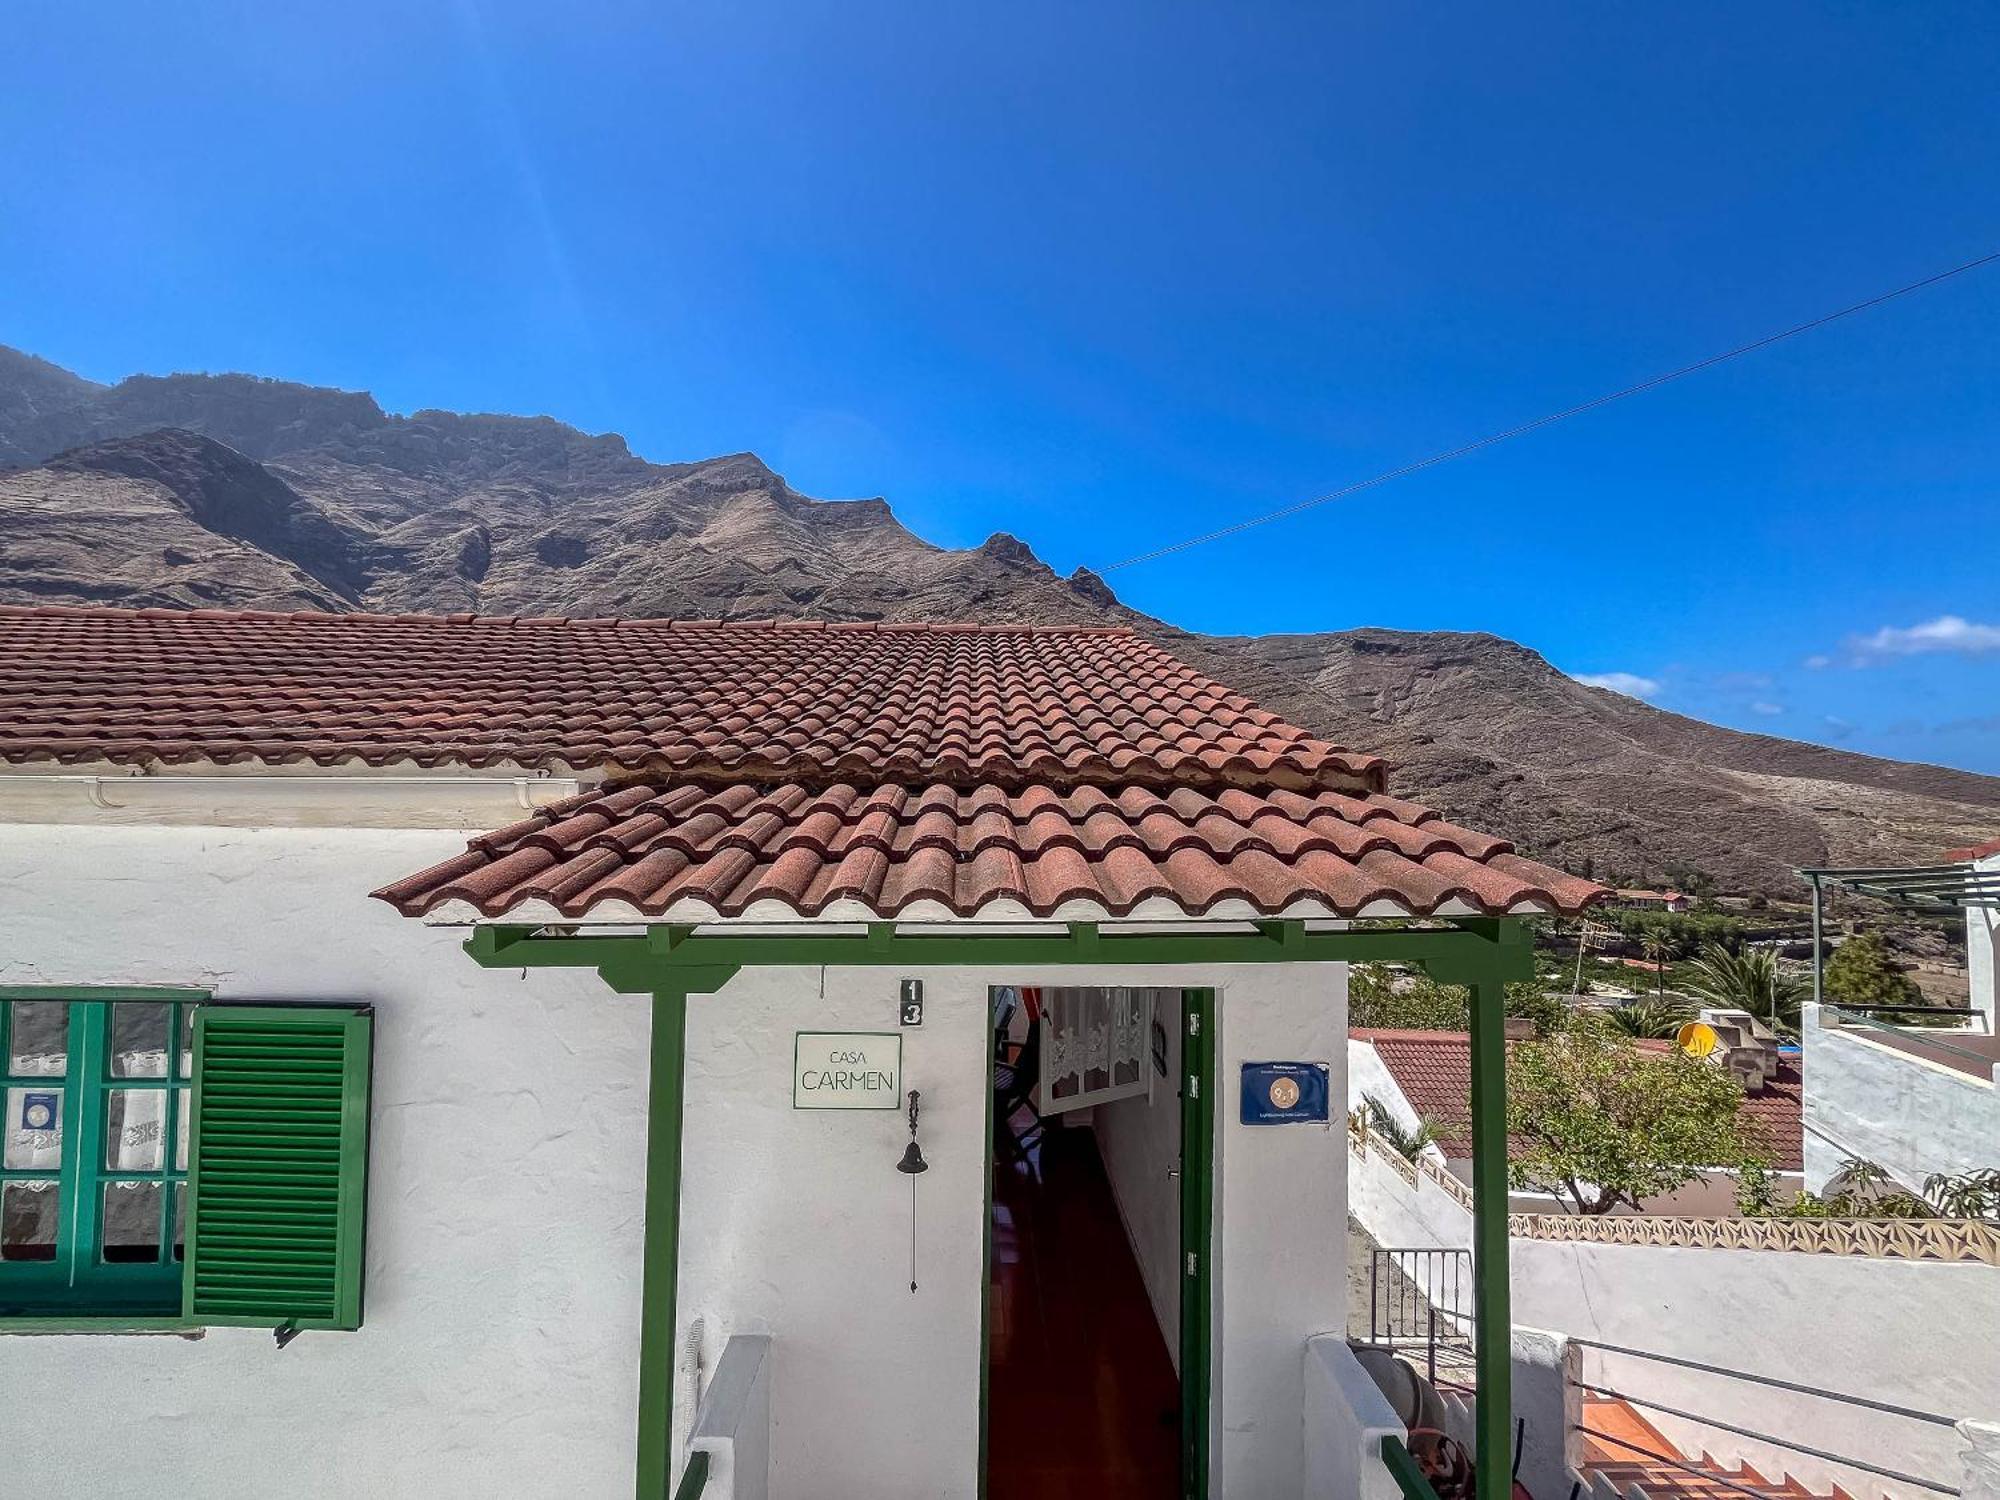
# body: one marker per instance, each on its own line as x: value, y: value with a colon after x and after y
x: 847, y: 1070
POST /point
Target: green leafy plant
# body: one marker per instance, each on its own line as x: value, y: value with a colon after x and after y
x: 1662, y: 947
x: 1653, y: 1018
x: 1598, y: 1122
x: 1862, y: 973
x: 1863, y: 1190
x: 1408, y: 1141
x: 1383, y: 997
x: 1967, y: 1195
x: 1748, y: 980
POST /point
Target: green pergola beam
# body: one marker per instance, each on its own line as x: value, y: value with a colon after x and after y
x: 633, y: 962
x: 673, y: 960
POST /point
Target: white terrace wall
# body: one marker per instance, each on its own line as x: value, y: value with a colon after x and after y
x: 505, y: 1207
x: 1908, y: 1115
x: 1912, y: 1332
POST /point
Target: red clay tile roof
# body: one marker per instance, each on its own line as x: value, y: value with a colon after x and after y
x: 652, y: 849
x: 1434, y: 1071
x: 749, y: 700
x: 1977, y: 851
x: 776, y: 769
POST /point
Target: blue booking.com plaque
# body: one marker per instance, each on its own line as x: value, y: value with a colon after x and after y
x: 1284, y: 1093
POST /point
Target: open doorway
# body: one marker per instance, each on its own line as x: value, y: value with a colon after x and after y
x: 1097, y: 1244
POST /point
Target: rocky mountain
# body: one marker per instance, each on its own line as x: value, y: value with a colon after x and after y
x: 193, y: 490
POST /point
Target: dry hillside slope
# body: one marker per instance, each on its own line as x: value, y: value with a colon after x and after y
x: 193, y: 490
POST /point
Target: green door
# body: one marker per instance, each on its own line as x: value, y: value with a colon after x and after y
x: 1197, y: 1213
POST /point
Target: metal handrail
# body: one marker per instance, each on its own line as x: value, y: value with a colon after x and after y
x: 1912, y: 1010
x: 1776, y: 1442
x: 1412, y: 1322
x: 694, y: 1478
x: 1909, y: 1034
x: 1770, y: 1380
x: 1402, y: 1466
x: 1679, y: 1463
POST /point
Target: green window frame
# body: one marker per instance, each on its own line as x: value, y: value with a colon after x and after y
x: 167, y: 1160
x: 114, y: 1160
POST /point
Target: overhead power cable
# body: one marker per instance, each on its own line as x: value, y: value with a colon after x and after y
x: 1491, y: 439
x: 1547, y: 421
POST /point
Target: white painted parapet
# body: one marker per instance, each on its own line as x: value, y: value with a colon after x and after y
x: 1908, y: 1114
x: 733, y: 1424
x: 1548, y: 1402
x: 1982, y: 1461
x: 1347, y: 1417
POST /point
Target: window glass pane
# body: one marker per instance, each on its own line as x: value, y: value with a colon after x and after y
x: 131, y: 1224
x: 33, y: 1129
x: 28, y: 1220
x: 139, y: 1040
x: 135, y: 1124
x: 180, y: 1193
x: 39, y: 1040
x: 181, y: 1131
x: 187, y: 1041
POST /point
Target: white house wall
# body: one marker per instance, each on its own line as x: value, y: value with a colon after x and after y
x: 1140, y: 1141
x: 1982, y: 953
x: 506, y: 1188
x: 1907, y: 1114
x: 796, y: 1223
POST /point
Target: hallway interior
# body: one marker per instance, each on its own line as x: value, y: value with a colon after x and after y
x: 1083, y: 1400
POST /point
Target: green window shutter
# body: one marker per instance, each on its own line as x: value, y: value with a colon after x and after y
x: 278, y: 1170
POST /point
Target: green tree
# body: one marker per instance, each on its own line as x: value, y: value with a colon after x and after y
x: 1598, y: 1122
x: 1383, y: 997
x: 1662, y: 947
x: 1750, y: 980
x: 1861, y: 973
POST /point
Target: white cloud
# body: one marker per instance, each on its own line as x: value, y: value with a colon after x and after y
x: 1631, y: 684
x: 1818, y: 663
x: 1767, y: 709
x: 1945, y: 633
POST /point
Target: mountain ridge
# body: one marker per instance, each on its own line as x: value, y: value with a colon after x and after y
x: 194, y: 490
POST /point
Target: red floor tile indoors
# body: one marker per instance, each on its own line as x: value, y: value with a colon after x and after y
x: 1083, y: 1400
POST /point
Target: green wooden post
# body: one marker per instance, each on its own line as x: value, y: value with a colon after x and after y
x: 1492, y: 1313
x: 658, y: 1317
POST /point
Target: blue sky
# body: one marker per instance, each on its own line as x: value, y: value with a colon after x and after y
x: 1104, y: 276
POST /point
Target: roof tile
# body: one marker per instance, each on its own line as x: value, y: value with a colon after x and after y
x: 956, y: 705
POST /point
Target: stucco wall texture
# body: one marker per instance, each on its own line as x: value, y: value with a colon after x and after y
x: 1909, y: 1115
x: 796, y: 1223
x: 505, y: 1199
x: 500, y: 1350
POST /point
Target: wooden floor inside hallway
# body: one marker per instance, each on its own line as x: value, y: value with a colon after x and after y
x: 1082, y: 1396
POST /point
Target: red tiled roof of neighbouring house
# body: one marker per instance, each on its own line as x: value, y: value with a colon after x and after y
x: 772, y: 769
x: 1977, y: 851
x: 1434, y: 1071
x: 747, y: 700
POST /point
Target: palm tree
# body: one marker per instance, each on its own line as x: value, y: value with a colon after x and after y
x: 1409, y: 1142
x: 1657, y: 1017
x: 1660, y: 946
x: 1750, y: 980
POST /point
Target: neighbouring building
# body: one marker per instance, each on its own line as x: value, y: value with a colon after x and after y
x: 1914, y: 1100
x: 470, y: 1057
x: 1424, y: 1077
x: 1653, y: 900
